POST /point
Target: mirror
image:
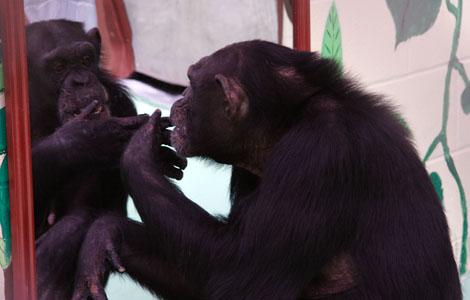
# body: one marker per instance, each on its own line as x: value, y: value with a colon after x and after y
x: 116, y: 59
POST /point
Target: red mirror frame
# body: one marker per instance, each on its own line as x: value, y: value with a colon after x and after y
x: 23, y: 281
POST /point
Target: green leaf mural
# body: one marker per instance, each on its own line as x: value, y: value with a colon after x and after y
x: 4, y: 256
x: 412, y: 17
x: 437, y: 183
x: 1, y: 78
x: 5, y: 241
x: 288, y: 5
x: 465, y: 100
x: 332, y: 46
x: 403, y: 122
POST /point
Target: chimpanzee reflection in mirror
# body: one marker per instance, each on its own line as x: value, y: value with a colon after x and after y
x: 81, y: 121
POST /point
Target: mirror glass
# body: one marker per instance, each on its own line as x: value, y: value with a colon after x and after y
x: 142, y: 50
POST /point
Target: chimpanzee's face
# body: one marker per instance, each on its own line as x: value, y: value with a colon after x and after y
x: 179, y: 118
x: 72, y: 67
x: 200, y: 125
x: 75, y: 70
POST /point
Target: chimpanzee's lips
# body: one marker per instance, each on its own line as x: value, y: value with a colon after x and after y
x: 100, y: 112
x: 98, y: 109
x: 106, y: 95
x: 178, y: 139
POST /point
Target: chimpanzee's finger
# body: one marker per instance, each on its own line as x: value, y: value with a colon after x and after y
x: 155, y: 118
x: 153, y: 128
x: 170, y: 156
x: 133, y: 122
x: 97, y: 291
x: 115, y: 260
x: 166, y: 137
x: 87, y: 110
x: 165, y: 122
x: 173, y: 172
x: 80, y: 293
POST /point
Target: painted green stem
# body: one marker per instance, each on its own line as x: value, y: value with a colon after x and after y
x: 451, y: 7
x: 460, y: 68
x: 441, y: 138
x: 432, y: 147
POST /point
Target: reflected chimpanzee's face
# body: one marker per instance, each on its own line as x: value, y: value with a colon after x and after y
x: 74, y: 68
x: 71, y: 63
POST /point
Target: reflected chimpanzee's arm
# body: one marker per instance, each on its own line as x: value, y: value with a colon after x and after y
x: 128, y: 244
x: 79, y: 145
x: 57, y: 252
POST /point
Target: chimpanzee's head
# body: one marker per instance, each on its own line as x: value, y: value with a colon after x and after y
x: 63, y: 64
x: 240, y: 101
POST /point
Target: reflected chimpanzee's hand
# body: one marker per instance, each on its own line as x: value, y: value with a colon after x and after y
x: 149, y: 147
x: 98, y: 256
x: 96, y: 142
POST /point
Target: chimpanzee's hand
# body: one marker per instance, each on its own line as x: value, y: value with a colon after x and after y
x: 99, y: 254
x: 96, y: 142
x: 148, y: 147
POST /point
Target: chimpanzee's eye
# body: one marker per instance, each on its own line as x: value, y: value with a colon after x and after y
x: 59, y: 67
x: 86, y: 60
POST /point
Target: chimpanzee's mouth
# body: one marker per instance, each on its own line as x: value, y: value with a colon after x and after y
x: 98, y: 109
x: 101, y: 111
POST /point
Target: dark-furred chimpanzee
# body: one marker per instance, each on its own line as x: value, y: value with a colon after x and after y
x: 81, y: 120
x: 329, y: 198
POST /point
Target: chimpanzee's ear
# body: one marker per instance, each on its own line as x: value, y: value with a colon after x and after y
x: 95, y: 36
x: 236, y: 104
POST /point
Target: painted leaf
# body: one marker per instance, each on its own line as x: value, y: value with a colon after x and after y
x: 437, y: 183
x: 332, y: 46
x: 403, y: 122
x: 288, y: 5
x: 5, y: 241
x: 412, y: 17
x: 3, y: 131
x: 465, y: 100
x: 4, y: 259
x: 1, y: 77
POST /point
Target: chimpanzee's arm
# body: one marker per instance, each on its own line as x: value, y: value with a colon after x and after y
x: 50, y: 166
x: 127, y: 244
x: 171, y: 217
x: 57, y: 253
x: 272, y: 249
x: 80, y: 144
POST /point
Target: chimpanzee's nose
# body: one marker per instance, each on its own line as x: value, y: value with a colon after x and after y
x: 174, y: 108
x: 78, y: 79
x: 81, y: 79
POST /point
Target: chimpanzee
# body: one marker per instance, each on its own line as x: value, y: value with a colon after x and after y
x: 329, y: 197
x: 81, y: 120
